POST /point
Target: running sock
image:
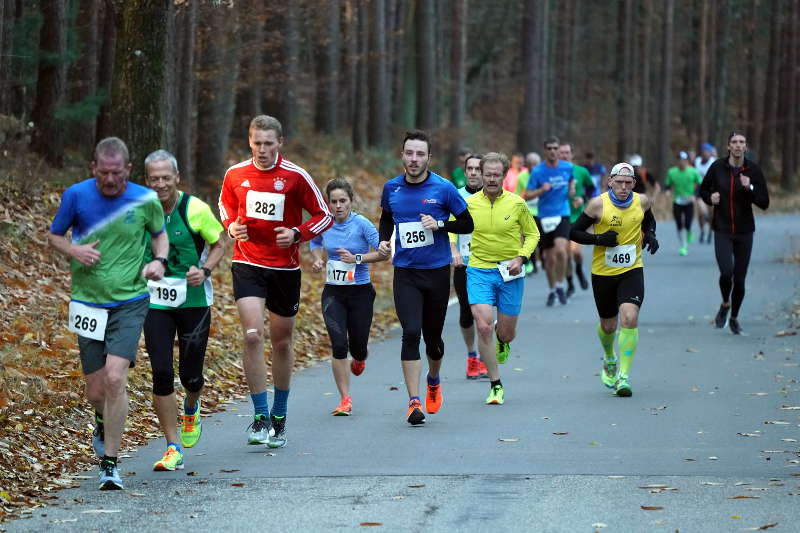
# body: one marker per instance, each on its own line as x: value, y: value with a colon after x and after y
x: 177, y: 446
x: 607, y: 342
x: 561, y: 284
x: 109, y: 458
x: 579, y: 269
x: 494, y: 383
x: 570, y: 283
x: 413, y: 398
x: 280, y: 401
x: 98, y: 417
x: 189, y: 410
x: 628, y: 341
x: 433, y: 381
x: 260, y: 403
x: 472, y: 354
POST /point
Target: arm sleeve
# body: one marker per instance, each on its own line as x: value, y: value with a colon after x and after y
x: 578, y: 232
x: 649, y: 222
x: 202, y: 220
x: 386, y: 225
x: 65, y: 214
x: 313, y: 202
x: 760, y: 192
x: 462, y: 224
x: 155, y: 217
x: 228, y: 203
x: 529, y: 231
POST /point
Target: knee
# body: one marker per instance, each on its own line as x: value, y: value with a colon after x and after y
x: 253, y: 338
x: 465, y: 320
x: 115, y: 382
x: 485, y: 329
x: 193, y: 383
x: 283, y: 345
x: 435, y: 350
x: 506, y: 334
x: 94, y: 391
x: 629, y: 319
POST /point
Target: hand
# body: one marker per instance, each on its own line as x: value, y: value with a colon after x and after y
x: 515, y: 266
x: 715, y: 198
x: 345, y: 256
x: 546, y: 186
x: 153, y: 270
x: 317, y: 265
x: 428, y: 222
x: 650, y: 243
x: 385, y: 249
x: 577, y: 202
x: 86, y: 254
x: 284, y: 237
x: 195, y: 277
x: 457, y: 260
x: 608, y: 239
x: 744, y: 180
x: 238, y: 229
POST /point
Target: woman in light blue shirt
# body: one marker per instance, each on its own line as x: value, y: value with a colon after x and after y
x: 348, y: 296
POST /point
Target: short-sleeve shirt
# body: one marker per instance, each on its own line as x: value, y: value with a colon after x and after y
x: 120, y: 225
x: 406, y: 201
x: 597, y: 171
x: 684, y: 183
x: 583, y: 181
x: 554, y: 202
x: 356, y: 235
x: 459, y: 178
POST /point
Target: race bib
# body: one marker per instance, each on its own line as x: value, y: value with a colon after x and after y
x: 502, y: 266
x: 464, y: 243
x: 169, y: 292
x: 683, y: 200
x: 341, y: 273
x: 87, y: 321
x: 549, y: 223
x: 621, y: 256
x: 413, y: 235
x: 265, y: 205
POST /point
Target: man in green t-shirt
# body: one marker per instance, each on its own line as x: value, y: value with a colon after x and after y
x: 180, y: 302
x: 458, y: 177
x: 682, y: 182
x: 584, y: 190
x: 109, y: 218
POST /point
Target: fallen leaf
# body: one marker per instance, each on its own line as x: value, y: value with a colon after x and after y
x: 757, y: 393
x: 789, y: 440
x: 692, y: 350
x: 560, y: 433
x: 390, y: 388
x: 651, y: 507
x: 371, y: 524
x: 695, y: 389
x: 690, y: 460
x: 741, y: 483
x: 508, y: 440
x: 191, y: 473
x: 778, y: 422
x: 756, y: 488
x: 653, y: 486
x: 616, y: 477
x: 783, y: 333
x: 63, y: 520
x: 594, y: 443
x: 415, y: 486
x: 743, y: 497
x: 748, y: 435
x: 228, y: 470
x: 237, y: 484
x: 710, y: 483
x: 599, y: 525
x: 736, y: 516
x: 136, y: 495
x: 712, y: 458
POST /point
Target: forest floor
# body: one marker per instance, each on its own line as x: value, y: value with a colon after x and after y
x: 45, y: 423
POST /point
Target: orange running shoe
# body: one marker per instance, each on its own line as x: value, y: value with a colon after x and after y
x: 345, y: 407
x: 357, y: 367
x: 433, y: 400
x: 415, y: 415
x: 473, y: 367
x: 483, y: 372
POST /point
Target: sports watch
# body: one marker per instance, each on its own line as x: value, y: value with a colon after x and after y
x: 163, y: 261
x: 358, y: 259
x: 440, y: 224
x: 206, y: 271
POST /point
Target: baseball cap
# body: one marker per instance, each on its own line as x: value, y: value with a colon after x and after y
x: 622, y: 169
x: 683, y: 155
x: 635, y: 160
x: 707, y: 146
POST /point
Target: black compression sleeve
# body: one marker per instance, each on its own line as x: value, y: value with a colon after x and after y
x: 385, y: 226
x: 578, y: 232
x: 649, y: 222
x: 462, y: 224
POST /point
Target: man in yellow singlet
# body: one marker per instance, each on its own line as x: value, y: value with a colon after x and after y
x: 623, y: 226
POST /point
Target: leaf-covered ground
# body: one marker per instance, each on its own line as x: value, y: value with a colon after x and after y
x: 45, y: 423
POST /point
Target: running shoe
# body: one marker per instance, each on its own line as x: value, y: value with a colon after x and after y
x: 109, y: 476
x: 357, y: 367
x: 415, y: 416
x: 562, y: 298
x: 622, y: 387
x: 722, y: 317
x: 484, y: 372
x: 345, y: 407
x: 551, y: 299
x: 529, y: 268
x: 535, y: 269
x: 191, y: 427
x: 582, y: 280
x: 259, y: 430
x: 733, y: 323
x: 609, y: 373
x: 502, y: 349
x: 278, y: 439
x: 99, y: 437
x: 570, y: 290
x: 683, y: 251
x: 496, y: 396
x: 433, y: 399
x: 689, y: 237
x: 473, y: 367
x: 172, y: 460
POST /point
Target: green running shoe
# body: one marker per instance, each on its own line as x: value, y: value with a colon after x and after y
x: 683, y: 250
x: 503, y: 350
x: 496, y: 396
x: 689, y: 237
x: 622, y: 387
x: 191, y: 428
x: 609, y: 373
x: 172, y: 460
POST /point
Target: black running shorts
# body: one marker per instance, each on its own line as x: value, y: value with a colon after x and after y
x: 280, y: 288
x: 612, y: 291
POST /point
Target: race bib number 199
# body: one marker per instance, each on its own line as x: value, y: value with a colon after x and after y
x: 414, y: 235
x: 87, y: 321
x: 169, y: 292
x: 265, y: 205
x: 621, y: 256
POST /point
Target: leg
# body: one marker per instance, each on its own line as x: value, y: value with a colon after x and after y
x: 251, y: 316
x: 434, y: 312
x: 408, y: 304
x: 723, y: 250
x: 484, y: 321
x: 334, y: 313
x: 560, y: 251
x: 159, y: 334
x: 742, y: 249
x: 359, y: 311
x: 280, y: 334
x: 193, y: 332
x: 116, y: 404
x: 465, y: 320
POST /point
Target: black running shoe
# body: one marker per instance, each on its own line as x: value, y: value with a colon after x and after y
x: 582, y: 280
x: 722, y: 317
x: 562, y: 298
x: 734, y: 325
x: 570, y: 290
x: 551, y: 299
x: 278, y: 439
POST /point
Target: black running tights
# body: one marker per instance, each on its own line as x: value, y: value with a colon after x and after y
x: 733, y: 257
x: 420, y: 299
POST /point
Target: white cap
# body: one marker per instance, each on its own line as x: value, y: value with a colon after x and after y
x: 635, y: 160
x: 622, y: 169
x: 683, y: 155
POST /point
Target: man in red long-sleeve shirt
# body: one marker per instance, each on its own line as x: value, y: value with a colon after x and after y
x: 261, y: 206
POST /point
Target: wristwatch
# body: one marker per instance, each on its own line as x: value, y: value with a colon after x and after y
x: 358, y: 259
x: 296, y: 235
x: 440, y: 224
x: 206, y: 271
x: 162, y: 260
x: 751, y: 186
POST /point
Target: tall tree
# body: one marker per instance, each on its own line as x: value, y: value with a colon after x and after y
x: 426, y: 65
x: 50, y: 85
x: 769, y: 121
x: 361, y: 98
x: 527, y: 134
x: 329, y: 57
x: 702, y: 73
x: 664, y: 110
x: 186, y: 23
x: 723, y: 41
x: 288, y: 97
x: 408, y: 80
x: 378, y: 125
x: 105, y: 70
x: 623, y: 70
x: 458, y: 58
x: 789, y: 99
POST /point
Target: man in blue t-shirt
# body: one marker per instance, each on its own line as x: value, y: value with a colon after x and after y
x: 416, y: 206
x: 597, y: 171
x: 552, y: 183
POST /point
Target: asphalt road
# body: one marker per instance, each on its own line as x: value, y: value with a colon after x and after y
x: 472, y: 467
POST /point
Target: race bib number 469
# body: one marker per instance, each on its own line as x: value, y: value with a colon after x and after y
x: 265, y: 205
x: 621, y: 256
x: 87, y: 321
x: 414, y: 235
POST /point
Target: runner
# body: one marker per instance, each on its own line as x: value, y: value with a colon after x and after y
x: 416, y: 206
x: 684, y: 179
x: 180, y: 302
x: 584, y: 190
x: 645, y: 180
x: 261, y: 206
x: 598, y: 172
x: 551, y: 182
x: 495, y: 275
x: 348, y: 296
x: 512, y: 176
x: 460, y: 250
x: 458, y: 177
x: 732, y: 185
x: 708, y: 154
x: 620, y: 218
x: 109, y: 217
x: 531, y: 159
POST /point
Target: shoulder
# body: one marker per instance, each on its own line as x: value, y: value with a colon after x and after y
x: 595, y: 205
x: 644, y: 201
x: 140, y: 192
x: 292, y: 168
x: 239, y: 167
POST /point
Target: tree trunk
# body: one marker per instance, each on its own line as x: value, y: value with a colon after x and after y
x: 647, y: 100
x: 348, y: 81
x: 573, y: 67
x: 361, y: 101
x: 50, y: 85
x: 664, y: 123
x: 105, y: 70
x: 721, y: 83
x: 624, y: 46
x: 769, y: 121
x: 426, y: 65
x: 789, y: 86
x: 288, y: 98
x: 408, y: 114
x: 83, y: 75
x: 458, y: 57
x: 526, y: 129
x: 329, y: 56
x: 6, y: 52
x: 378, y: 125
x: 702, y: 74
x: 186, y: 21
x: 249, y: 96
